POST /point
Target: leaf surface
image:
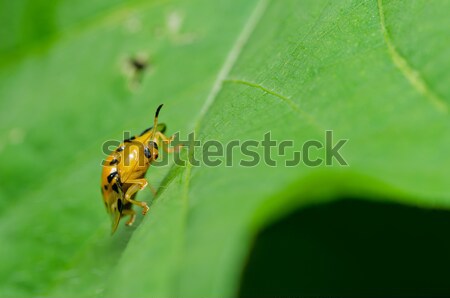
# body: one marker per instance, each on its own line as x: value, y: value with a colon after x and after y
x: 230, y: 70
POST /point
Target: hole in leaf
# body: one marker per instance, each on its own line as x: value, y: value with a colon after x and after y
x: 134, y: 68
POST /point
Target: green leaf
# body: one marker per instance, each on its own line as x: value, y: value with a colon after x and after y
x: 373, y: 72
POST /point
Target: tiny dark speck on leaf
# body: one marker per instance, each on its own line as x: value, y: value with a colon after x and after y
x: 135, y: 67
x: 139, y: 64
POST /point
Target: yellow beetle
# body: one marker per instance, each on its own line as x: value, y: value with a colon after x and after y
x: 124, y: 171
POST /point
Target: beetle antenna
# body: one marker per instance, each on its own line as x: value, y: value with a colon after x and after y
x: 155, y: 121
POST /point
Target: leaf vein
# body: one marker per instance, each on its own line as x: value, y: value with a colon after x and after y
x: 294, y: 106
x: 412, y: 75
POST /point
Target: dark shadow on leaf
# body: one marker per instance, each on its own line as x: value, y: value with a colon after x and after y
x: 352, y: 248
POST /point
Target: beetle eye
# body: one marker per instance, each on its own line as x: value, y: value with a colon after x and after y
x: 147, y: 152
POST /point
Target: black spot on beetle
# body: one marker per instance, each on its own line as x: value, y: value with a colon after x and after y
x: 111, y: 176
x: 147, y: 152
x: 115, y: 188
x: 114, y: 162
x: 105, y: 187
x: 120, y: 149
x: 119, y: 205
x: 129, y: 140
x: 153, y: 144
x: 145, y: 131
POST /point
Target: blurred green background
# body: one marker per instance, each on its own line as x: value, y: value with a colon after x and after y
x: 375, y: 72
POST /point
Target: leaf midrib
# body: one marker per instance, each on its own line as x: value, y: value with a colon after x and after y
x: 242, y: 39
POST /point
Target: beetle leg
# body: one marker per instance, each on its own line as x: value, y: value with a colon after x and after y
x: 132, y: 215
x: 137, y: 184
x: 167, y: 141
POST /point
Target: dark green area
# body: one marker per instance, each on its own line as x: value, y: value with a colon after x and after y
x: 352, y: 248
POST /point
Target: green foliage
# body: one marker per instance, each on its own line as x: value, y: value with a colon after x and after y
x: 374, y: 72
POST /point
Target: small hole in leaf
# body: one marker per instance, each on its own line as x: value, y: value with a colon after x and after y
x: 135, y: 67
